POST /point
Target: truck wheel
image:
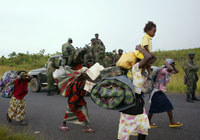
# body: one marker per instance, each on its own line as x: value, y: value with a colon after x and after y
x: 35, y: 86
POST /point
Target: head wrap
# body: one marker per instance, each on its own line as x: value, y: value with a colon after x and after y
x: 22, y: 74
x: 170, y: 61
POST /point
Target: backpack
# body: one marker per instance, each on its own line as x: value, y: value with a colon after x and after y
x: 151, y: 78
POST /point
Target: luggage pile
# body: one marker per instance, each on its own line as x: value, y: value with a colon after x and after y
x: 7, y: 83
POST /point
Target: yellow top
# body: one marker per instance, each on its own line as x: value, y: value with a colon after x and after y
x: 146, y: 41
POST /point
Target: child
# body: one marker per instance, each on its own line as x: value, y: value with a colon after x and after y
x: 159, y: 101
x: 17, y: 107
x: 134, y: 120
x: 150, y: 30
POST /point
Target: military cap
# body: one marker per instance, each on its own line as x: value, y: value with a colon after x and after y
x: 109, y: 53
x: 191, y: 53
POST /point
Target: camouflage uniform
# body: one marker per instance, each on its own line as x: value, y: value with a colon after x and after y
x: 50, y: 80
x: 190, y: 79
x: 108, y: 60
x: 98, y: 50
x: 88, y: 56
x: 68, y: 52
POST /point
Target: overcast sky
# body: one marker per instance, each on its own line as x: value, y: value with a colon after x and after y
x: 32, y: 25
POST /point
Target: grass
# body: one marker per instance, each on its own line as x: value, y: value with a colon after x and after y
x: 176, y: 85
x: 7, y: 133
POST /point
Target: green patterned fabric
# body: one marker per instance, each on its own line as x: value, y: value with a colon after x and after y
x: 111, y: 93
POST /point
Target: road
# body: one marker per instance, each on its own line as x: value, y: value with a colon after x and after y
x: 45, y: 113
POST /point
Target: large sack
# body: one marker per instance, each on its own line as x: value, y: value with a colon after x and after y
x: 7, y: 83
x: 127, y: 60
x: 115, y: 93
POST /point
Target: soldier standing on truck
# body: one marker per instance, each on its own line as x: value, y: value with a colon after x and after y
x: 51, y: 66
x: 68, y: 52
x: 98, y: 48
x: 191, y: 77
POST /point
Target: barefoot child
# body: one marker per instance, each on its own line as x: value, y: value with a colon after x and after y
x: 150, y: 30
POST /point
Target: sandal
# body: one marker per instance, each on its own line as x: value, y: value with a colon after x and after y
x: 153, y: 125
x: 64, y: 128
x: 8, y: 118
x: 88, y: 130
x: 177, y: 124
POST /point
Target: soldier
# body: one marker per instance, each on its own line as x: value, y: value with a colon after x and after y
x: 120, y: 52
x: 68, y: 52
x: 88, y: 57
x: 108, y: 60
x: 190, y: 78
x: 97, y: 41
x: 51, y: 66
x: 98, y: 48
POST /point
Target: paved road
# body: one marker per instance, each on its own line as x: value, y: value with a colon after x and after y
x: 45, y: 114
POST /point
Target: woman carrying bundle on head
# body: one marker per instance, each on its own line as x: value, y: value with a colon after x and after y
x: 17, y: 107
x: 73, y: 89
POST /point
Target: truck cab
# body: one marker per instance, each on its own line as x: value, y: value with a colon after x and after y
x: 39, y: 79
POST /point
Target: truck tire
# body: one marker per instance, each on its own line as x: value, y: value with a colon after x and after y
x: 35, y: 86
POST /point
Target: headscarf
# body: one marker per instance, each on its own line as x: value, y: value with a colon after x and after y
x: 170, y: 61
x: 22, y: 74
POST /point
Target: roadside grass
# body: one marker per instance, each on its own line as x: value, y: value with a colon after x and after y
x: 175, y: 86
x: 7, y: 133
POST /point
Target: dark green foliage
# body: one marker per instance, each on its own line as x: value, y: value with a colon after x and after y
x: 33, y: 60
x: 178, y: 55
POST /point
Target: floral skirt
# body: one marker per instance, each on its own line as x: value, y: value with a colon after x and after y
x: 16, y: 110
x: 133, y: 125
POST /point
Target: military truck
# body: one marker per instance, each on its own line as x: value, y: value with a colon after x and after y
x: 39, y: 79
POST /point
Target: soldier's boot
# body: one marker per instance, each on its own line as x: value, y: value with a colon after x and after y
x: 49, y: 93
x: 188, y: 99
x: 194, y: 97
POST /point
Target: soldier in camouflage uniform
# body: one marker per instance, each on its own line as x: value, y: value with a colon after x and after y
x: 190, y: 79
x: 98, y: 49
x: 68, y: 52
x: 120, y: 52
x: 51, y: 66
x: 108, y: 60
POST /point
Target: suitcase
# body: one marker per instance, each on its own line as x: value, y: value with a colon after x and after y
x: 111, y: 72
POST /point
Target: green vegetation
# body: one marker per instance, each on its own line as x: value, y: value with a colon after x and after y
x: 177, y: 85
x: 31, y: 61
x: 7, y: 133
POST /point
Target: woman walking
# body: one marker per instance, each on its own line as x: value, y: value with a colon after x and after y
x: 17, y: 107
x: 77, y: 112
x: 159, y: 101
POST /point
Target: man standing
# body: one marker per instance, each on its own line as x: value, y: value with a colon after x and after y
x: 190, y: 78
x: 50, y: 80
x: 68, y: 52
x: 98, y: 48
x: 120, y: 52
